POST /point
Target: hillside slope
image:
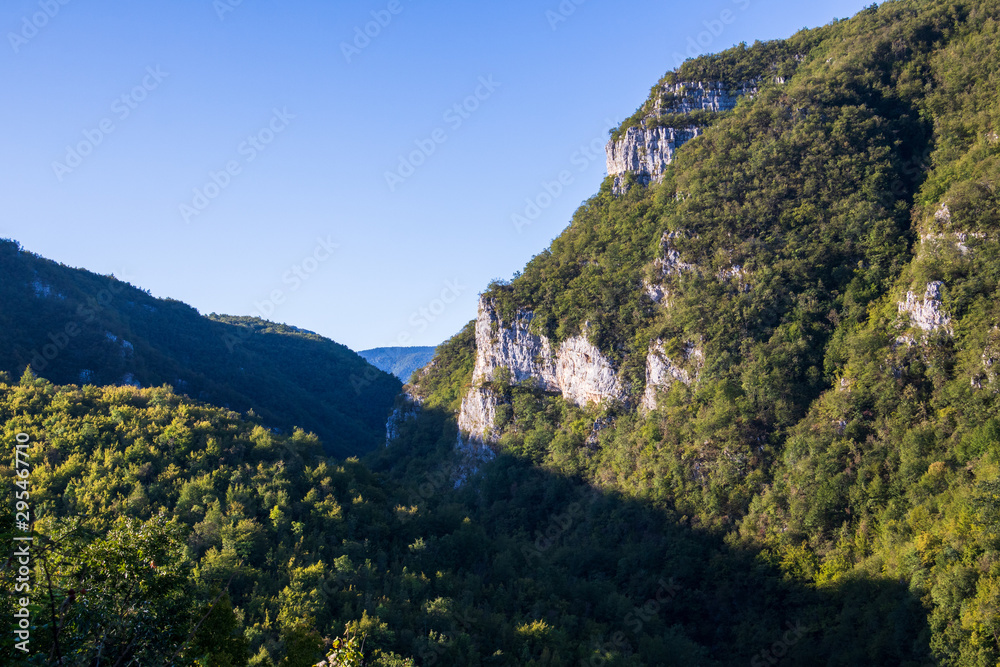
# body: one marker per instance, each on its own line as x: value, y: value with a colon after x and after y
x: 778, y: 317
x: 74, y: 326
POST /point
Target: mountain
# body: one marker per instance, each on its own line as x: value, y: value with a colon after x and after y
x: 402, y: 362
x: 778, y: 320
x: 73, y: 326
x: 745, y: 409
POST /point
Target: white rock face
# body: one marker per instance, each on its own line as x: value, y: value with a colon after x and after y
x: 662, y: 371
x: 528, y: 356
x: 478, y: 414
x: 578, y: 370
x: 657, y: 293
x: 584, y: 375
x: 475, y: 432
x: 645, y: 153
x: 927, y: 313
x: 691, y: 96
x: 647, y: 149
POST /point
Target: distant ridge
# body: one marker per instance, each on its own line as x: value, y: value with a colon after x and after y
x: 76, y: 327
x: 400, y: 361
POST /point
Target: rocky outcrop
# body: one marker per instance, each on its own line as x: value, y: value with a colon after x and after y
x: 645, y: 150
x: 655, y: 291
x: 662, y: 371
x: 584, y: 375
x: 528, y: 356
x: 406, y: 407
x: 666, y: 266
x: 700, y: 96
x: 577, y: 370
x: 478, y: 414
x: 475, y: 432
x: 927, y: 313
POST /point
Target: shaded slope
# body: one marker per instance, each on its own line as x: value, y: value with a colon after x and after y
x: 75, y: 326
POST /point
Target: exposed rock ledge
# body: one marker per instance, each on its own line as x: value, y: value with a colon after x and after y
x: 646, y: 150
x: 475, y: 432
x: 577, y: 370
x: 926, y: 314
x: 662, y: 371
x: 668, y: 265
x: 689, y: 96
x: 478, y: 414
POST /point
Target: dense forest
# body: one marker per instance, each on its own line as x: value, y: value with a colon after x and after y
x: 825, y: 490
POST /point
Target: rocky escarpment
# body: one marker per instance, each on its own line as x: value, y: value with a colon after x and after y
x: 406, y: 407
x: 700, y: 96
x: 662, y: 371
x: 926, y: 314
x: 528, y: 356
x: 478, y: 414
x: 476, y: 421
x: 645, y: 152
x: 646, y: 149
x: 576, y: 370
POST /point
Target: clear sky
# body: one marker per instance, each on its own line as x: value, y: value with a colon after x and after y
x: 233, y: 154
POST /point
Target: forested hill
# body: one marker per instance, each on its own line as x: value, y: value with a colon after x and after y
x: 73, y: 326
x: 779, y: 319
x: 745, y: 410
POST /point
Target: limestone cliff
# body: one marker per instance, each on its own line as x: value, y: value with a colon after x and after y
x: 577, y: 369
x: 662, y: 371
x: 927, y: 313
x: 645, y: 152
x: 647, y: 148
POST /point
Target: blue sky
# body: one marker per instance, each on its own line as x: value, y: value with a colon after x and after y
x: 233, y: 154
